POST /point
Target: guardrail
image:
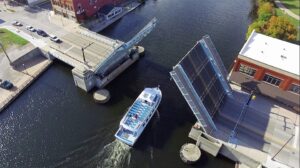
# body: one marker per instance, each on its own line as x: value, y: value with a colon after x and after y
x: 98, y: 37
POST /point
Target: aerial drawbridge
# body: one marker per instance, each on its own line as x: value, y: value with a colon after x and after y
x: 97, y: 59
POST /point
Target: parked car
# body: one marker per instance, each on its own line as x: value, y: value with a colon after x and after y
x: 30, y: 28
x: 6, y: 84
x: 41, y: 33
x: 16, y: 23
x: 54, y: 38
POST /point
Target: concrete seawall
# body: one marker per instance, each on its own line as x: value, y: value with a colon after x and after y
x: 23, y: 71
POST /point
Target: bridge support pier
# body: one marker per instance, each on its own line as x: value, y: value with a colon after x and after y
x: 84, y: 79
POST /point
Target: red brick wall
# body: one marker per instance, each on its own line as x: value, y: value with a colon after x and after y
x: 260, y: 71
x: 91, y: 10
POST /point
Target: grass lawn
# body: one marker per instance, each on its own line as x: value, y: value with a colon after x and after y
x: 293, y: 5
x: 291, y: 19
x: 8, y: 38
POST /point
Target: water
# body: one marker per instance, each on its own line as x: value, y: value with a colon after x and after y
x: 55, y: 124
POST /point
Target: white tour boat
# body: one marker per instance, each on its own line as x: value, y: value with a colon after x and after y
x: 138, y: 115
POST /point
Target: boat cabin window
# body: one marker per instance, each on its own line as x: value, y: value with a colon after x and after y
x: 155, y: 98
x: 126, y: 130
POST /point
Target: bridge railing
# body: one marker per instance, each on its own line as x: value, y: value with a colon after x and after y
x: 99, y: 37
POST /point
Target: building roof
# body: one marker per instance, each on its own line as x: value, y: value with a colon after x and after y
x: 273, y: 52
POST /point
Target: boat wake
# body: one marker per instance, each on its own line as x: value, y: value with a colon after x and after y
x: 114, y: 154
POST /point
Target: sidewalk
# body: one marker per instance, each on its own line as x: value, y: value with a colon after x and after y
x: 22, y: 73
x: 286, y: 10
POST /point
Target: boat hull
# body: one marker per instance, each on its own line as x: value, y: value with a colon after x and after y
x: 130, y: 138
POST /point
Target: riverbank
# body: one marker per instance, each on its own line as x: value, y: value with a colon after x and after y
x: 269, y: 19
x: 95, y: 25
x: 28, y: 63
x: 98, y: 25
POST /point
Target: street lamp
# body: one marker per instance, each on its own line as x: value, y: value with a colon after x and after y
x: 5, y: 53
x: 25, y: 69
x: 82, y: 50
x: 4, y: 4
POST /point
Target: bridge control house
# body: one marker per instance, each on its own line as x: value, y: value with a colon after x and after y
x: 269, y: 66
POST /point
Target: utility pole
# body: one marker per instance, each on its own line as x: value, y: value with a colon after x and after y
x: 5, y: 53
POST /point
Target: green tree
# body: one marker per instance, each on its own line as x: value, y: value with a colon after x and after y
x: 280, y: 27
x: 265, y: 11
x: 258, y: 26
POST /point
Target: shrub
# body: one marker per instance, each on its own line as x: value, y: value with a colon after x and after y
x: 258, y: 26
x: 265, y: 11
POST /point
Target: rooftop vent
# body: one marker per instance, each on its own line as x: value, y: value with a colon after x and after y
x: 283, y: 57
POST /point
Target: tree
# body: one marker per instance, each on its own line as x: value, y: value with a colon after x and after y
x: 264, y: 1
x: 265, y: 11
x: 258, y: 26
x: 280, y: 27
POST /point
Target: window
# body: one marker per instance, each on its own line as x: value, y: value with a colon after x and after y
x: 272, y: 80
x: 247, y: 70
x: 294, y: 88
x: 92, y: 2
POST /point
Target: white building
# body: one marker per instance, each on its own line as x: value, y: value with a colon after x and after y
x: 269, y: 66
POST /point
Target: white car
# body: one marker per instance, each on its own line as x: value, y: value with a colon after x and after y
x: 54, y: 38
x: 16, y: 23
x: 30, y: 28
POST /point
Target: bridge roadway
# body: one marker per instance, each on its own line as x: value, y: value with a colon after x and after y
x: 96, y: 49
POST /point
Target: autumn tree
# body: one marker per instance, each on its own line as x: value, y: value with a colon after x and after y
x: 265, y: 11
x: 258, y: 26
x: 280, y: 27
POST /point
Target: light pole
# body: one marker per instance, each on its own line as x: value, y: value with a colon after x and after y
x: 5, y: 53
x: 4, y: 4
x: 25, y: 69
x: 82, y: 50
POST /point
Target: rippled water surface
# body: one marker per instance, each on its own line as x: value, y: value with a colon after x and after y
x: 55, y: 124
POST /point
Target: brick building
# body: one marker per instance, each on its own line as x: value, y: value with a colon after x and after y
x: 80, y: 10
x: 270, y: 66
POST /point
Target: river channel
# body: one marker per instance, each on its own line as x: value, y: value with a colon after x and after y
x: 55, y: 124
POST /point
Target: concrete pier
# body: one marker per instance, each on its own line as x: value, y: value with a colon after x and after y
x: 190, y: 153
x: 28, y: 64
x: 101, y: 96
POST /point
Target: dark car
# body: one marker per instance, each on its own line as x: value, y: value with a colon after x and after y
x: 41, y: 33
x: 6, y: 84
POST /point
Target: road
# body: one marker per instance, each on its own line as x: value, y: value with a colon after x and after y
x: 72, y: 42
x: 34, y: 17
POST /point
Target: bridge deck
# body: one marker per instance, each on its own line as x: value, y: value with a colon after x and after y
x: 96, y: 49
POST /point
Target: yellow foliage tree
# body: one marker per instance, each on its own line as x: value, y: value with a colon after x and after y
x: 280, y: 27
